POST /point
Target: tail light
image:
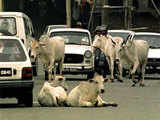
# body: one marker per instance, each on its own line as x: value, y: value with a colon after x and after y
x: 27, y: 73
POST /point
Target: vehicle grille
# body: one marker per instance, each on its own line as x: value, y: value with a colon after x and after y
x: 73, y: 58
x: 153, y: 60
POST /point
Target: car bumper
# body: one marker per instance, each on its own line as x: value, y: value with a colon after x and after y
x: 78, y: 69
x: 16, y: 84
x: 15, y: 88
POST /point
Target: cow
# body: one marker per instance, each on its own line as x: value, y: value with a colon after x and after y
x: 87, y: 94
x: 132, y: 55
x: 53, y: 93
x: 108, y: 45
x: 51, y: 51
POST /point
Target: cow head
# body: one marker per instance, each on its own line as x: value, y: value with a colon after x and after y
x: 99, y: 42
x: 34, y: 49
x: 122, y: 49
x: 97, y: 81
x: 60, y: 81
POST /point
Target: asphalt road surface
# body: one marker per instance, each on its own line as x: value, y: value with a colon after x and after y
x: 134, y: 103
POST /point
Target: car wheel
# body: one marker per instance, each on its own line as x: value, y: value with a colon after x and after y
x: 28, y: 99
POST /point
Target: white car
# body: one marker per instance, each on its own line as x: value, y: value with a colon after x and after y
x: 48, y: 28
x: 153, y: 39
x: 79, y: 57
x: 20, y: 25
x: 15, y: 71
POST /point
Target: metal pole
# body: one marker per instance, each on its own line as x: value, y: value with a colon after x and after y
x: 68, y: 12
x: 1, y: 5
x: 105, y: 13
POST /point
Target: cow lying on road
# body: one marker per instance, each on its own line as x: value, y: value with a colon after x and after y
x: 87, y: 94
x: 54, y: 93
x: 50, y: 51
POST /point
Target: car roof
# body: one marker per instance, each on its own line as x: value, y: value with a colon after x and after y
x: 120, y: 30
x: 19, y: 14
x: 70, y: 29
x: 57, y: 26
x: 146, y: 33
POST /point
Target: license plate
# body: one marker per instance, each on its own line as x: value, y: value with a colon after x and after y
x: 5, y: 72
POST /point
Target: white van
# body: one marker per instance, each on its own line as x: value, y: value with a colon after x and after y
x: 18, y: 24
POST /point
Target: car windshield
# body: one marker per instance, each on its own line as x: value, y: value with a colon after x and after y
x: 71, y: 37
x: 11, y: 51
x: 8, y: 26
x: 119, y: 34
x: 153, y: 40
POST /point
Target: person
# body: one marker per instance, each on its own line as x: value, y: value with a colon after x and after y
x: 100, y: 61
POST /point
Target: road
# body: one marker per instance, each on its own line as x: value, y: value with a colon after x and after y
x: 134, y: 103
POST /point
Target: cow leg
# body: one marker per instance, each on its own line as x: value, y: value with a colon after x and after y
x: 102, y: 103
x: 61, y: 66
x: 84, y: 103
x: 120, y: 78
x: 111, y: 70
x: 142, y: 74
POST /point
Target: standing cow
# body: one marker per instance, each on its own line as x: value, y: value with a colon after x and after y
x: 87, y: 94
x: 132, y: 55
x: 50, y: 51
x: 53, y: 93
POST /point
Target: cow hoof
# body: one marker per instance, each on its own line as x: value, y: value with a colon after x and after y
x: 120, y: 81
x: 142, y: 85
x: 112, y: 81
x: 134, y: 85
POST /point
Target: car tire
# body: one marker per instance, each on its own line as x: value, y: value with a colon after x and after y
x: 28, y: 99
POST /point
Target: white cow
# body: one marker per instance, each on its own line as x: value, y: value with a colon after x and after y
x: 108, y: 45
x: 50, y: 51
x: 87, y: 94
x: 53, y: 93
x: 132, y: 55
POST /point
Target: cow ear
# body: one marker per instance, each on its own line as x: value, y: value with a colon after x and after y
x: 91, y: 80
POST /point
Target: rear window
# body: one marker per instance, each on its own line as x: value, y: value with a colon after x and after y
x: 11, y: 51
x: 71, y: 37
x: 8, y: 25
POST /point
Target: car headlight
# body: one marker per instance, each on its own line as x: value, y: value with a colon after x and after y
x: 88, y: 54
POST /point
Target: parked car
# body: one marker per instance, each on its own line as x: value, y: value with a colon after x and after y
x: 50, y: 27
x: 20, y: 25
x: 153, y: 39
x: 15, y: 71
x: 79, y: 57
x: 120, y: 33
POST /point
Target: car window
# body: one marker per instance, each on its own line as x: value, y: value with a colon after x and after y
x: 11, y: 51
x: 120, y: 34
x: 26, y: 26
x: 79, y: 38
x: 8, y: 25
x: 153, y: 40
